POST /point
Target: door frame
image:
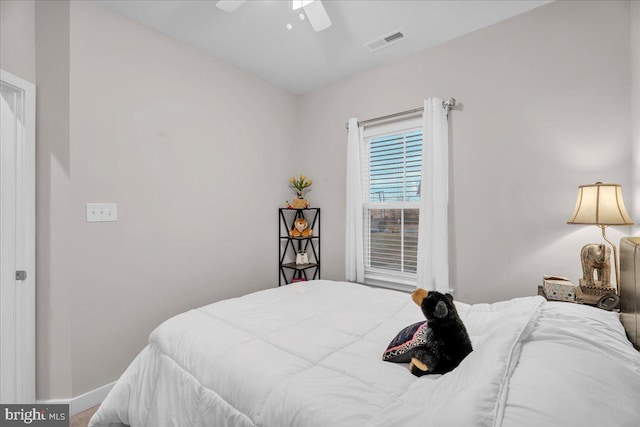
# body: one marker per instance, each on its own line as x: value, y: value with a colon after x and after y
x: 25, y: 255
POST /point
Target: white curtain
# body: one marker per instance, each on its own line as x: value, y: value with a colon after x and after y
x: 433, y: 232
x: 354, y: 242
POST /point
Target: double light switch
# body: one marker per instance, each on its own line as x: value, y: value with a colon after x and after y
x: 102, y: 212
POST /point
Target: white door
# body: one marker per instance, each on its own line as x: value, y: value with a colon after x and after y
x: 17, y: 240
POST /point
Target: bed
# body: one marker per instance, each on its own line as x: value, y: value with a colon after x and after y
x: 309, y: 355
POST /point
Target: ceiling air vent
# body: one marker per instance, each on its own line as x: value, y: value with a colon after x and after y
x: 386, y: 40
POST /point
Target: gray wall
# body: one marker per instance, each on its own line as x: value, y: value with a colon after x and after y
x: 195, y: 153
x: 544, y: 108
x: 17, y: 38
x: 54, y: 257
x: 635, y: 111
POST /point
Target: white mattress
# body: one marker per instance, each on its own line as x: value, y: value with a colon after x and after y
x: 309, y: 354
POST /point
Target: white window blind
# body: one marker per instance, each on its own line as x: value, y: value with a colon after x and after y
x: 392, y: 170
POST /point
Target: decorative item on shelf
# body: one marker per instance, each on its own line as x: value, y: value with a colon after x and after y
x: 302, y: 258
x: 300, y: 187
x: 602, y: 205
x: 300, y: 203
x: 301, y: 228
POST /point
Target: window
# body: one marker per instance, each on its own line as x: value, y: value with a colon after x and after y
x: 387, y: 221
x: 392, y: 167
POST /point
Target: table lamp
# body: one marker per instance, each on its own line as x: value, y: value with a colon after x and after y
x: 602, y: 205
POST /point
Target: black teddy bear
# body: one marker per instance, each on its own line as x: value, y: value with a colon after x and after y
x: 447, y: 340
x: 436, y: 346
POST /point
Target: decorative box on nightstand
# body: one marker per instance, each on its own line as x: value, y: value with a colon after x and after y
x: 558, y: 288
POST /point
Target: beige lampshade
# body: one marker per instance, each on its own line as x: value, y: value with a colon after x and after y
x: 600, y: 204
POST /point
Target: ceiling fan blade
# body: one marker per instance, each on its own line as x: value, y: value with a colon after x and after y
x: 317, y: 15
x: 297, y: 4
x: 229, y: 5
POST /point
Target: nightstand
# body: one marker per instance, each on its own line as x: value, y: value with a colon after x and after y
x: 610, y: 303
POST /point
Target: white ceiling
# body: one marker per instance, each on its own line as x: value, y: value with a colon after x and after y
x: 255, y: 37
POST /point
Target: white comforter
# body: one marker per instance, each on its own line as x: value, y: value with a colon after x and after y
x: 309, y: 355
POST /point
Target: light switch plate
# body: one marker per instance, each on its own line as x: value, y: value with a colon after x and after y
x: 102, y: 212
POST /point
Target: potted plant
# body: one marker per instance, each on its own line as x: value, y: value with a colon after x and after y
x: 300, y: 187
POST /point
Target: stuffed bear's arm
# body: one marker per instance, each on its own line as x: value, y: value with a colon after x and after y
x: 421, y: 363
x: 418, y: 364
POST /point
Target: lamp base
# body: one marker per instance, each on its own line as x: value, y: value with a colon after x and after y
x: 597, y: 284
x: 591, y: 294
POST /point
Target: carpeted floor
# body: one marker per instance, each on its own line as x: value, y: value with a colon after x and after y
x: 82, y: 419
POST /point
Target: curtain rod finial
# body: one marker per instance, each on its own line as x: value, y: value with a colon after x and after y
x: 449, y: 103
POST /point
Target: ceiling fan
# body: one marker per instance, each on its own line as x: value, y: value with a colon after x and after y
x: 314, y: 10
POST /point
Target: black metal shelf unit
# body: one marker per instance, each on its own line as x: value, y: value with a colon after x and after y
x: 288, y: 270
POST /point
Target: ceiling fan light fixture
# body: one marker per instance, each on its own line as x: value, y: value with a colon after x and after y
x: 317, y: 16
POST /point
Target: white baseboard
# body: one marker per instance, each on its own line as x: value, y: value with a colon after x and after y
x: 84, y: 401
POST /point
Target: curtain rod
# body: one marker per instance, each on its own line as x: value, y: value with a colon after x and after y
x: 447, y: 104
